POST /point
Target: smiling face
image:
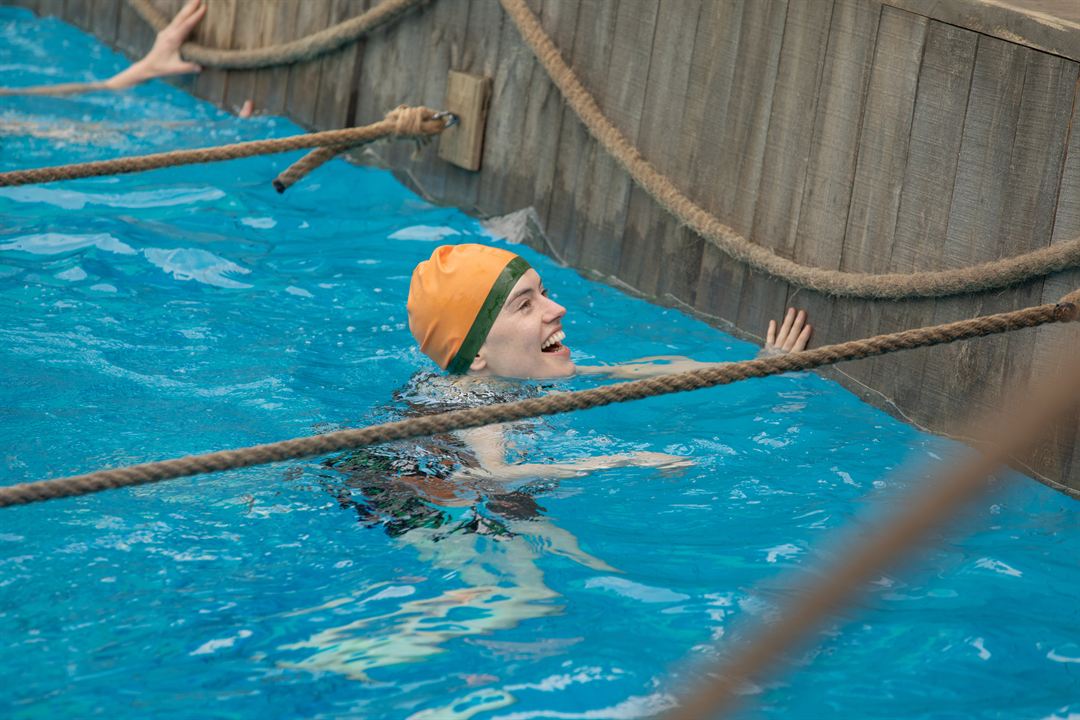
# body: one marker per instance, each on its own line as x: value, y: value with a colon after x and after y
x: 525, y: 341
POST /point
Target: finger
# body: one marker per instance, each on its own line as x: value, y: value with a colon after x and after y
x: 179, y: 17
x: 795, y: 330
x: 189, y: 7
x: 804, y: 338
x: 187, y: 25
x: 770, y: 336
x: 786, y: 328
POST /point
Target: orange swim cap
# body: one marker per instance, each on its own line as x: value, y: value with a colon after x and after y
x: 455, y: 297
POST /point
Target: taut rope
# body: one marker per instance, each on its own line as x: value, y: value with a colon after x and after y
x: 405, y: 122
x: 1065, y: 311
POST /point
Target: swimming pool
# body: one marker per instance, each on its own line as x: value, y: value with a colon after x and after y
x: 192, y: 309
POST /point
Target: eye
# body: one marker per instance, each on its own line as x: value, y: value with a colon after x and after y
x: 525, y: 305
x: 544, y: 292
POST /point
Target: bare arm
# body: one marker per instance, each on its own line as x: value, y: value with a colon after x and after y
x: 790, y: 336
x: 489, y: 446
x: 163, y: 59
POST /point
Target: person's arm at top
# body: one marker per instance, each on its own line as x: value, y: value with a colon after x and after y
x: 162, y: 60
x: 790, y: 336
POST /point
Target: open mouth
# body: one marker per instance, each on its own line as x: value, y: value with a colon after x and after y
x: 554, y: 342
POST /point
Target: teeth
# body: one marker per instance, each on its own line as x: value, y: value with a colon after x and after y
x: 556, y: 337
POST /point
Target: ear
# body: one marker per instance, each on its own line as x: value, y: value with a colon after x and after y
x: 479, y: 363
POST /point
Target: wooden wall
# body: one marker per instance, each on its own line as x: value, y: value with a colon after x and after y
x: 861, y: 135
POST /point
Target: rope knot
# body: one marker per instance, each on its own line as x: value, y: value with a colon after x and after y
x: 1066, y: 312
x: 418, y: 122
x: 1068, y: 308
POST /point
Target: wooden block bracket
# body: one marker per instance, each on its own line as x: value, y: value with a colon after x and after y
x: 467, y: 96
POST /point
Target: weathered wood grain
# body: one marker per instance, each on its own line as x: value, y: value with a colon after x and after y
x: 622, y: 98
x: 215, y: 30
x: 480, y: 56
x: 133, y: 36
x: 1049, y: 25
x: 819, y: 237
x: 78, y: 13
x: 926, y: 196
x: 305, y: 77
x: 789, y: 138
x: 271, y: 85
x: 575, y: 152
x: 651, y: 241
x: 247, y: 33
x: 104, y: 19
x: 339, y: 72
x: 880, y: 166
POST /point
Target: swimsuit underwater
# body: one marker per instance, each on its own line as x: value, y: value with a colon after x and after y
x: 393, y: 485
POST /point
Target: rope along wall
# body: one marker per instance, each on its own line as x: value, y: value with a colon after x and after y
x: 985, y: 276
x: 1065, y: 311
x: 305, y: 48
x: 885, y: 286
x: 404, y: 122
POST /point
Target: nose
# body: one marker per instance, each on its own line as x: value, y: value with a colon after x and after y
x: 553, y: 311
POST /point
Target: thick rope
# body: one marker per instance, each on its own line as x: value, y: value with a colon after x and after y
x: 299, y: 169
x: 294, y: 51
x: 404, y: 122
x: 932, y: 504
x: 976, y: 278
x: 1065, y: 311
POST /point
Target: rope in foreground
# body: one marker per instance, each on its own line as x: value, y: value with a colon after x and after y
x: 1065, y: 311
x: 1033, y: 411
x: 416, y: 123
x: 306, y: 48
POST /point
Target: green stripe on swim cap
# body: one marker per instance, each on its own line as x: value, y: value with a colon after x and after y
x: 486, y: 317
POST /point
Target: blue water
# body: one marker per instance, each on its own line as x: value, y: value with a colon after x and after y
x: 193, y: 309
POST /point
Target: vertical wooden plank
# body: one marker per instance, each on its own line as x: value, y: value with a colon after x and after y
x: 754, y: 91
x: 304, y: 77
x: 712, y: 67
x: 338, y: 70
x: 389, y: 60
x: 787, y: 145
x: 480, y: 56
x: 926, y: 196
x: 272, y: 84
x: 248, y: 34
x: 77, y: 12
x: 831, y: 165
x: 652, y: 240
x: 575, y: 151
x: 215, y: 30
x: 105, y: 15
x: 883, y: 142
x: 880, y: 166
x: 1059, y: 456
x: 545, y: 118
x: 444, y: 29
x: 729, y: 169
x: 133, y: 36
x: 1007, y: 183
x: 622, y: 98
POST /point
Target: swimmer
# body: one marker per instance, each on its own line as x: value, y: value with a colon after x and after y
x: 482, y: 313
x: 163, y: 60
